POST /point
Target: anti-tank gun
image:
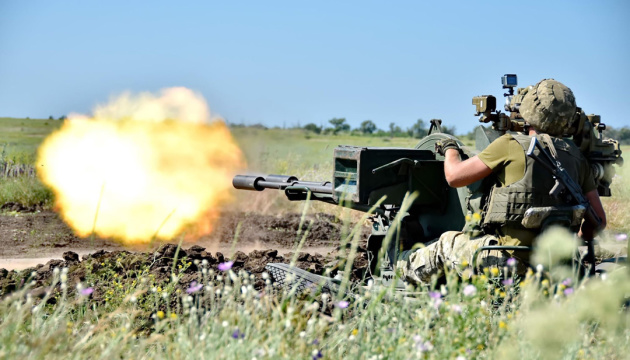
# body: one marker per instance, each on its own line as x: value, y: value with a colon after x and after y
x: 365, y: 177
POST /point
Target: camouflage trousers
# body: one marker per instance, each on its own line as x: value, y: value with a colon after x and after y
x: 454, y: 250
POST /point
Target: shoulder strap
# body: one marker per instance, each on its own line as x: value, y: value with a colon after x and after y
x: 546, y: 139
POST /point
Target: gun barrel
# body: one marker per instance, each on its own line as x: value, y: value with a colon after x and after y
x: 279, y: 182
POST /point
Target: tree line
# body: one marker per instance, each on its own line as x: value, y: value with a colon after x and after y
x: 418, y: 130
x: 339, y: 125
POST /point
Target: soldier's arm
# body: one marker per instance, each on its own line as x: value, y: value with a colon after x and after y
x: 596, y: 204
x: 461, y: 173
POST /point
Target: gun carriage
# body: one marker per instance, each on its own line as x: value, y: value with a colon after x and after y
x: 378, y: 179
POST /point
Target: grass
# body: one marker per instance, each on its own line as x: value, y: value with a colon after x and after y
x: 26, y: 191
x: 137, y: 315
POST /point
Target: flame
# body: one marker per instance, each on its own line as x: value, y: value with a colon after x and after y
x: 142, y: 167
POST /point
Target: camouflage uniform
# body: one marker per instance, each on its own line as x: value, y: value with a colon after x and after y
x: 453, y: 250
x: 548, y: 106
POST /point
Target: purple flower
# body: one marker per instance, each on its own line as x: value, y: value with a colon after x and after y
x: 422, y: 346
x: 87, y: 291
x: 237, y: 334
x: 508, y: 282
x: 193, y: 288
x: 568, y: 291
x: 456, y: 308
x: 566, y: 282
x: 226, y: 265
x: 470, y: 290
x: 511, y: 262
x: 621, y: 237
x: 342, y: 304
x: 317, y: 354
x: 435, y: 295
x: 315, y: 342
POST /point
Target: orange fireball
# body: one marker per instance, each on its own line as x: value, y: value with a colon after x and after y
x: 142, y: 167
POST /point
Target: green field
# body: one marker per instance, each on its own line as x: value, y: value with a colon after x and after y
x: 120, y: 309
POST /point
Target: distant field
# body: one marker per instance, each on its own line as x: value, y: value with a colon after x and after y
x: 21, y: 137
x: 278, y: 151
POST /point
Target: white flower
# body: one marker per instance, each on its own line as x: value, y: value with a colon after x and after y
x: 224, y: 323
x: 470, y: 290
x: 302, y: 334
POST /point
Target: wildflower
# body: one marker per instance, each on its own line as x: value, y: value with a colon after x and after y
x: 545, y: 283
x: 456, y: 308
x: 315, y: 342
x: 621, y: 237
x: 224, y: 323
x: 460, y: 358
x: 502, y: 325
x: 511, y: 262
x: 355, y: 331
x: 342, y: 304
x: 436, y: 298
x: 316, y: 354
x: 194, y: 287
x: 160, y: 314
x: 539, y: 268
x: 567, y: 282
x: 237, y: 334
x: 568, y: 291
x: 173, y: 316
x: 470, y: 290
x: 508, y: 282
x: 302, y: 334
x: 423, y: 347
x: 226, y: 265
x: 494, y: 271
x: 87, y: 291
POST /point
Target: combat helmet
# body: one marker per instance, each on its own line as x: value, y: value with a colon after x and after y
x: 548, y: 106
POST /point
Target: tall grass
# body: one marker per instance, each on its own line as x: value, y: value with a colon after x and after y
x: 25, y: 191
x: 546, y: 317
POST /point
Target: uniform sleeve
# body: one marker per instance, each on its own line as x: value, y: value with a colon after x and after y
x: 587, y: 181
x: 494, y: 156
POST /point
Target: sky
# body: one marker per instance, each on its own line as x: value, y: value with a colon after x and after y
x: 284, y: 63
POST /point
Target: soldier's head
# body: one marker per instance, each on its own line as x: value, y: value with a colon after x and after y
x: 548, y: 106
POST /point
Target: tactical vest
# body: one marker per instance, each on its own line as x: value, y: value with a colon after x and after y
x: 508, y: 206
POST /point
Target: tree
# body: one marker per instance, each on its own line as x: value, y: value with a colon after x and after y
x: 448, y: 129
x: 339, y: 125
x: 367, y: 127
x: 313, y: 128
x: 418, y: 130
x: 394, y: 129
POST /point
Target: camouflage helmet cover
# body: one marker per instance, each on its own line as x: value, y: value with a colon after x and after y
x: 549, y: 106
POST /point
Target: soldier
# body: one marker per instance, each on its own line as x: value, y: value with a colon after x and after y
x: 547, y: 108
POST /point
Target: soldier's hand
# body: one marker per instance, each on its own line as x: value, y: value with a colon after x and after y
x: 442, y: 145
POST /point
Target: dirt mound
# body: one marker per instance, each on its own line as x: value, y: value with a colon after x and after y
x: 97, y: 269
x: 44, y: 234
x: 282, y: 231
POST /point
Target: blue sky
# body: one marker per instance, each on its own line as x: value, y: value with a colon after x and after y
x: 283, y: 63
